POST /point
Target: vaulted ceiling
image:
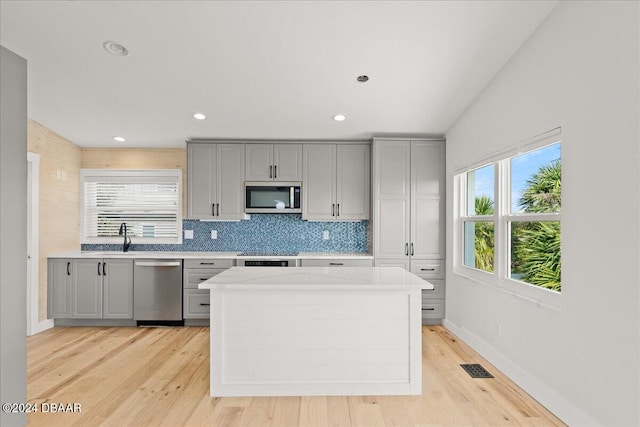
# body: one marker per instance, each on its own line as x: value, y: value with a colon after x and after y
x: 259, y: 69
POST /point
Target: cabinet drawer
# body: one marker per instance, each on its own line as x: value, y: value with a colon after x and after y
x: 208, y: 263
x: 433, y: 309
x: 428, y: 269
x: 196, y: 304
x: 336, y: 262
x: 193, y: 277
x: 436, y: 293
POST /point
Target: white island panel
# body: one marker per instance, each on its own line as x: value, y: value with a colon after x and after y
x: 351, y: 333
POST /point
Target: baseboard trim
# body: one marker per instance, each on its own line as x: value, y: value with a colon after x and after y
x: 548, y: 397
x: 41, y: 327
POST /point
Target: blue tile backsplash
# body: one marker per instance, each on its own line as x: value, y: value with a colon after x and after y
x: 263, y: 232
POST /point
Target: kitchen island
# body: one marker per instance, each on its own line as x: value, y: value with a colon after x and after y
x: 278, y: 331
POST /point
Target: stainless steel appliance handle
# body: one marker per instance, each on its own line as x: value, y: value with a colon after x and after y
x: 158, y: 263
x: 291, y: 197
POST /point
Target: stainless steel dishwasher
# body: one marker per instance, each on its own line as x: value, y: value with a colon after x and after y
x: 157, y: 291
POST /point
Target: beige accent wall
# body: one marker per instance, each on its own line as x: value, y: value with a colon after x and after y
x: 139, y: 158
x: 59, y: 219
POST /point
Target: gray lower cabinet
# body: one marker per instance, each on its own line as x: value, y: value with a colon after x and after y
x: 336, y: 262
x: 59, y: 288
x: 90, y: 288
x: 196, y: 301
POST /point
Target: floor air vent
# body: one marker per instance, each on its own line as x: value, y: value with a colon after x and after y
x: 476, y: 371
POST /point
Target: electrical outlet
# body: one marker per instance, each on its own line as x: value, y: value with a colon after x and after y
x: 188, y: 234
x: 325, y: 235
x: 214, y: 234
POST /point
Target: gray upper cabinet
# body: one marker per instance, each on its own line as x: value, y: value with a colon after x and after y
x: 336, y: 183
x: 59, y: 288
x: 215, y: 181
x: 408, y: 200
x: 273, y: 162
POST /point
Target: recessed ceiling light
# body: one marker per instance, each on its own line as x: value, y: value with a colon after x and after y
x: 119, y: 139
x: 339, y: 117
x: 115, y: 49
x: 199, y: 116
x: 363, y: 78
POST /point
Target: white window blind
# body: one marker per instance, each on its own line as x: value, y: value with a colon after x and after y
x: 149, y: 202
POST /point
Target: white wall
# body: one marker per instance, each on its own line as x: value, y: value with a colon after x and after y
x: 579, y: 70
x: 13, y: 228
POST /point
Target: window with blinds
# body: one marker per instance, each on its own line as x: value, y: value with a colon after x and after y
x: 148, y: 201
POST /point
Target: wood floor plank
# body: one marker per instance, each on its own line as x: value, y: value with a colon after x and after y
x: 160, y: 377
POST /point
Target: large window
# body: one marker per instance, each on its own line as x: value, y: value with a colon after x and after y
x: 509, y: 218
x: 149, y: 202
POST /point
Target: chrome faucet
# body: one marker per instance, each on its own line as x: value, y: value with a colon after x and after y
x: 127, y: 240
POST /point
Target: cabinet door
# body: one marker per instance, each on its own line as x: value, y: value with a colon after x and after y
x: 319, y: 183
x: 259, y: 162
x: 287, y: 162
x: 230, y: 181
x: 59, y: 288
x: 117, y: 288
x: 427, y: 199
x: 353, y: 179
x: 201, y: 180
x: 86, y: 288
x: 392, y: 199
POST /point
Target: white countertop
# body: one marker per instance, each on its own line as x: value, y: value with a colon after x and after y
x: 209, y: 255
x: 315, y: 277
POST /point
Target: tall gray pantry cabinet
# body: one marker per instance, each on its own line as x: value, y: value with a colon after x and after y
x: 409, y: 213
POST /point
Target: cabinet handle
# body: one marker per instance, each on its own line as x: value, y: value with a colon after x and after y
x: 207, y: 263
x: 205, y: 278
x: 104, y: 268
x: 336, y: 263
x: 217, y: 209
x: 68, y: 267
x: 338, y: 210
x: 275, y: 172
x: 406, y: 249
x: 213, y: 209
x: 411, y: 248
x: 427, y: 269
x: 270, y: 171
x: 333, y: 209
x: 430, y: 290
x: 203, y: 303
x: 428, y: 309
x: 99, y: 274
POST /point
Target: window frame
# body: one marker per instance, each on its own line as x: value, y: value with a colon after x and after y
x: 131, y: 173
x: 500, y: 277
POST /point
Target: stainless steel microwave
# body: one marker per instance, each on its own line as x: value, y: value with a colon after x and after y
x: 272, y: 197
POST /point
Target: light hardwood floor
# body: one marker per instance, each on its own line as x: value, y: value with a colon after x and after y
x: 160, y: 377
